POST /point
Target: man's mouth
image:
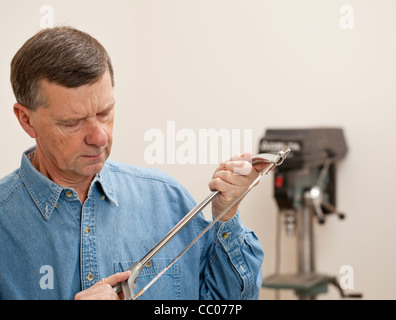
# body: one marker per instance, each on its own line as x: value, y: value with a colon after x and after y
x: 94, y: 156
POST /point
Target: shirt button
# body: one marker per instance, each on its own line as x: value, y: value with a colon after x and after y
x: 225, y: 235
x: 87, y: 230
x: 102, y: 197
x: 90, y: 277
x: 69, y: 194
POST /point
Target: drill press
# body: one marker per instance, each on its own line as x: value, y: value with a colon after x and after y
x: 305, y: 190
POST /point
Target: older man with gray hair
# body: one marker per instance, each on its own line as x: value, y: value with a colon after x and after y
x: 72, y: 221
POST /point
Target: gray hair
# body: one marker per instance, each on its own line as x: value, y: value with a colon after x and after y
x: 61, y: 55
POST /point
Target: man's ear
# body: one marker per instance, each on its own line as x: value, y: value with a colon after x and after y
x: 23, y: 115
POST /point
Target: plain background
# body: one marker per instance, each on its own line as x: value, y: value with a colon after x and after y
x: 248, y: 65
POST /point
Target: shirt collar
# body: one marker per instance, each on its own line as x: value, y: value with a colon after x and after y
x: 106, y: 182
x: 45, y: 193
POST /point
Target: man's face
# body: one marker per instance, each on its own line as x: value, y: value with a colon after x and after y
x: 74, y: 130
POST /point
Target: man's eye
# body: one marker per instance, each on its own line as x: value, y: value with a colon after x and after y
x: 72, y: 124
x: 104, y: 115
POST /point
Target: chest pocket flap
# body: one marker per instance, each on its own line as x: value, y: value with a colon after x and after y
x: 167, y: 287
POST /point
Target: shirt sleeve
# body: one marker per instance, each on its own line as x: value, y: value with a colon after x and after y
x: 231, y: 268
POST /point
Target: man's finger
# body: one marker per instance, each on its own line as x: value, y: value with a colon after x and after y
x: 239, y: 167
x: 116, y: 278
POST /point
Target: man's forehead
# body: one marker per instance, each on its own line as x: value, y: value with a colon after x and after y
x: 80, y: 111
x: 94, y: 97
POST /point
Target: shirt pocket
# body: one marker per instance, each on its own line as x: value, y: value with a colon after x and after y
x: 167, y: 287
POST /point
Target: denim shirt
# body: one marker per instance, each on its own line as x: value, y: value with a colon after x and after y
x: 52, y: 246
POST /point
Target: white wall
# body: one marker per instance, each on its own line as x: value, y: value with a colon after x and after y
x: 248, y: 65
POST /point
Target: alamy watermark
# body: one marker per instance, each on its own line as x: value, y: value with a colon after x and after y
x: 186, y: 146
x: 47, y: 280
x: 47, y: 18
x: 347, y: 21
x: 347, y: 279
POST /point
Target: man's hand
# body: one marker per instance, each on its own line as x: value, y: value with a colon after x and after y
x: 232, y: 178
x: 103, y: 290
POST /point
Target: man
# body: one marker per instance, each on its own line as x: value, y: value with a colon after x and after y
x: 72, y: 221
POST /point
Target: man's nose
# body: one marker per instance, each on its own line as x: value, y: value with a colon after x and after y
x: 96, y: 135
